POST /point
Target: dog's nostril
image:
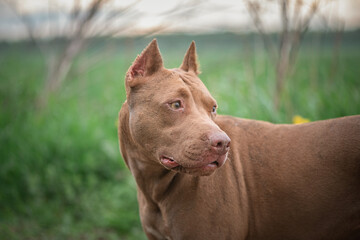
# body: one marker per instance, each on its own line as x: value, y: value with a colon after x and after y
x: 220, y: 141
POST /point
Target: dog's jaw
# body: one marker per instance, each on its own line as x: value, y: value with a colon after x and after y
x: 204, y: 167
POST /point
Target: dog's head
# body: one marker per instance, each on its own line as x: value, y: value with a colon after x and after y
x: 171, y: 114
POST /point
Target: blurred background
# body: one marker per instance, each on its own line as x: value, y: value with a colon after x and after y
x: 62, y: 68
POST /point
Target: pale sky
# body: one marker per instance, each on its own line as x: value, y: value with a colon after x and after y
x: 207, y: 16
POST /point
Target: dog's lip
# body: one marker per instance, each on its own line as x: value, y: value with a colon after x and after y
x: 215, y: 164
x: 171, y: 163
x: 210, y: 166
x: 168, y: 162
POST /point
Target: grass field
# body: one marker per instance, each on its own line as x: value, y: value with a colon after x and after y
x: 61, y: 173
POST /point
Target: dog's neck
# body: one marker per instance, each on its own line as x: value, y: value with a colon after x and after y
x: 152, y: 178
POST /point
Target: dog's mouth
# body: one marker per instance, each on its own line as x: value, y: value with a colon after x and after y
x: 201, y: 166
x: 169, y: 162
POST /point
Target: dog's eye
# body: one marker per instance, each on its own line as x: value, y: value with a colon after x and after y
x: 214, y: 109
x: 175, y: 105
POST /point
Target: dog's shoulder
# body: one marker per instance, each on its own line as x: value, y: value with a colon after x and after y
x: 243, y: 125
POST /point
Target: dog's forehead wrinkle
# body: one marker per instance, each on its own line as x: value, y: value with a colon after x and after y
x: 183, y: 92
x: 198, y: 89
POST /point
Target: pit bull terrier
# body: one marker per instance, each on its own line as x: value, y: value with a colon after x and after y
x: 201, y: 176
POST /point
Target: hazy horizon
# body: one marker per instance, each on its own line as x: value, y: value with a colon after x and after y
x: 49, y: 18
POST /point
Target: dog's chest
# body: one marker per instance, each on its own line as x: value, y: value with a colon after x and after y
x: 188, y: 214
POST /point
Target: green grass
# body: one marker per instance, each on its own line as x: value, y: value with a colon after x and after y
x: 61, y: 174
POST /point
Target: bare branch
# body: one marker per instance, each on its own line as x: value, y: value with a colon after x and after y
x: 75, y: 44
x: 301, y: 30
x: 294, y: 26
x: 284, y: 42
x: 26, y: 22
x: 109, y: 21
x: 304, y: 26
x: 74, y: 15
x: 296, y: 13
x: 255, y: 9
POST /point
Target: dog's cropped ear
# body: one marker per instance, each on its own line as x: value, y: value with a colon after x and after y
x: 190, y: 60
x: 146, y: 64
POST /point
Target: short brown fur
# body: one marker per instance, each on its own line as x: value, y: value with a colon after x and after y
x: 279, y: 181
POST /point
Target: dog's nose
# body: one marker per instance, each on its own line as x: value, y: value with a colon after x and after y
x: 220, y: 142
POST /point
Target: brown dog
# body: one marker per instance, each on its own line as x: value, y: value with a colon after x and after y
x: 274, y: 182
